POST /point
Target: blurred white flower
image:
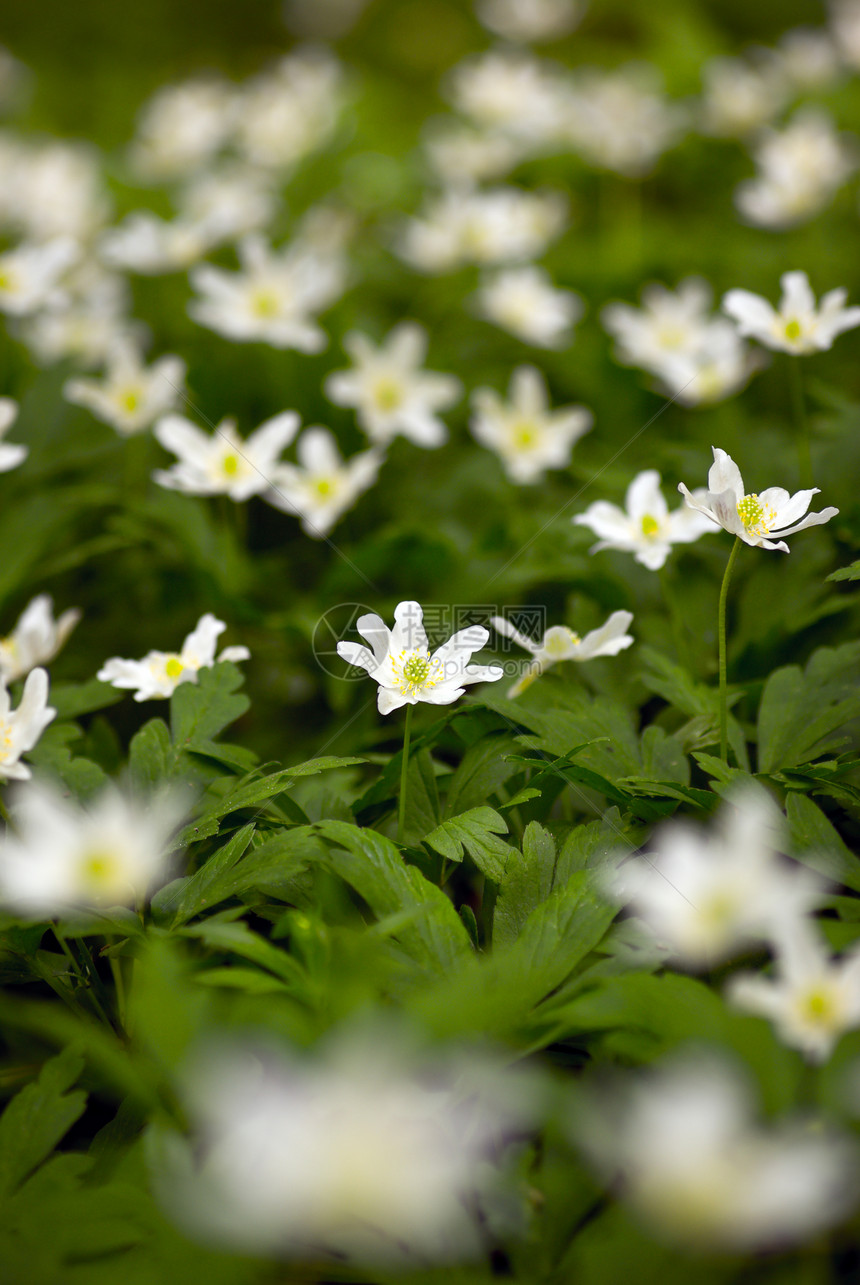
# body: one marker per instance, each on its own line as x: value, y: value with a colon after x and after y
x: 525, y: 302
x: 131, y: 396
x: 705, y: 894
x: 150, y: 245
x: 390, y: 390
x: 401, y: 663
x: 11, y: 453
x: 273, y: 299
x: 182, y: 127
x: 30, y: 275
x: 740, y: 95
x: 813, y: 999
x: 527, y: 436
x: 459, y: 154
x: 14, y: 81
x: 86, y: 322
x: 809, y: 58
x: 845, y: 29
x: 801, y: 167
x: 799, y: 325
x: 753, y: 517
x: 502, y: 225
x: 324, y: 19
x: 63, y: 857
x: 511, y: 93
x: 159, y: 673
x: 621, y: 120
x: 21, y: 728
x: 222, y: 463
x: 523, y: 21
x: 644, y: 527
x: 561, y: 643
x: 288, y: 112
x: 52, y: 190
x: 322, y: 486
x: 228, y: 202
x: 680, y: 1144
x: 36, y: 638
x: 717, y: 370
x: 359, y: 1153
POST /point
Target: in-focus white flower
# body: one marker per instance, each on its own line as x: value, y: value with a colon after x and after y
x: 131, y: 396
x: 11, y: 453
x: 182, y: 127
x: 287, y: 113
x: 707, y: 894
x: 621, y: 120
x: 799, y: 325
x: 801, y: 167
x: 21, y: 728
x: 150, y: 245
x: 501, y: 225
x: 644, y: 527
x: 561, y: 643
x: 36, y: 638
x: 273, y: 299
x: 524, y: 21
x: 399, y: 659
x: 322, y: 486
x: 753, y: 517
x: 221, y: 463
x: 30, y: 275
x: 360, y: 1152
x: 389, y: 389
x: 740, y: 95
x: 525, y: 302
x: 527, y: 436
x: 159, y: 673
x: 813, y: 999
x: 681, y: 1145
x: 63, y: 857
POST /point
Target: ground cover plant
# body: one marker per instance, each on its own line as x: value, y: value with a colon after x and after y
x: 429, y: 705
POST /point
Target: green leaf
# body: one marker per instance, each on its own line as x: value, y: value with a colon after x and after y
x: 199, y: 711
x: 527, y: 882
x: 817, y: 843
x: 803, y: 711
x: 38, y: 1117
x: 482, y: 770
x: 238, y: 939
x: 261, y: 789
x: 149, y: 755
x: 851, y: 572
x: 72, y: 699
x: 478, y: 832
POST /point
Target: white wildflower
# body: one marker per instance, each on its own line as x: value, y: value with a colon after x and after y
x: 523, y: 431
x: 36, y: 638
x: 620, y: 120
x: 560, y: 643
x: 150, y: 245
x: 11, y: 453
x: 159, y: 673
x: 322, y: 486
x: 801, y: 167
x: 182, y: 127
x: 525, y: 302
x: 222, y: 463
x: 644, y: 527
x: 21, y: 728
x: 30, y: 275
x: 524, y: 21
x: 131, y: 396
x: 288, y: 112
x: 740, y: 95
x: 799, y: 325
x: 501, y: 225
x: 228, y: 202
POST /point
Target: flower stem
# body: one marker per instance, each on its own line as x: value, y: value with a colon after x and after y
x: 404, y: 773
x: 804, y: 453
x: 721, y: 636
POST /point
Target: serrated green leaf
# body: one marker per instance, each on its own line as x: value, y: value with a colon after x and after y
x: 527, y: 882
x: 199, y: 711
x: 38, y: 1117
x: 149, y: 755
x: 481, y: 771
x: 477, y: 831
x: 803, y: 712
x: 817, y: 843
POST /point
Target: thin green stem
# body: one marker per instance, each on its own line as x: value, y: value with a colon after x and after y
x: 116, y: 970
x: 84, y: 980
x: 721, y: 636
x: 804, y: 451
x: 404, y: 773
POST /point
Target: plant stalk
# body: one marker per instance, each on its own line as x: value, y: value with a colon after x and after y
x: 721, y: 637
x: 404, y: 773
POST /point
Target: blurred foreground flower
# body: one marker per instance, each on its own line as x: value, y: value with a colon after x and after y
x: 682, y: 1147
x: 359, y: 1154
x: 61, y: 856
x: 561, y: 643
x: 645, y: 527
x: 223, y: 463
x: 322, y: 486
x: 707, y: 894
x: 36, y: 638
x: 11, y: 454
x: 798, y: 326
x: 159, y: 673
x: 399, y: 659
x: 21, y: 728
x: 524, y: 432
x: 130, y: 397
x: 30, y: 275
x: 389, y: 389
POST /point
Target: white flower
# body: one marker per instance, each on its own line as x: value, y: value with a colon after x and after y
x: 131, y: 397
x: 459, y: 154
x: 668, y: 322
x: 524, y: 432
x: 801, y: 168
x: 11, y: 454
x: 620, y: 120
x: 526, y: 20
x: 753, y: 517
x: 681, y: 1145
x: 150, y: 245
x: 182, y: 127
x: 813, y: 999
x: 36, y: 638
x: 159, y: 673
x: 706, y: 895
x: 799, y: 325
x: 502, y: 225
x: 222, y: 463
x: 389, y: 389
x: 359, y: 1152
x: 30, y: 275
x: 511, y: 93
x: 808, y: 58
x: 57, y: 191
x: 845, y: 27
x: 322, y: 486
x: 21, y: 728
x: 286, y: 113
x: 228, y: 202
x: 740, y: 96
x: 62, y: 856
x: 561, y: 643
x: 86, y: 322
x: 273, y: 299
x: 644, y: 527
x: 400, y: 660
x: 525, y: 302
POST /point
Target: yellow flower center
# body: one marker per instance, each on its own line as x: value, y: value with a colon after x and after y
x: 130, y: 400
x: 756, y: 517
x: 323, y: 487
x: 387, y: 393
x: 670, y: 336
x: 264, y: 303
x: 174, y: 667
x: 650, y: 526
x: 230, y: 465
x: 793, y: 329
x: 5, y: 280
x: 524, y: 435
x: 819, y: 1007
x: 416, y: 669
x: 100, y: 871
x: 415, y: 672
